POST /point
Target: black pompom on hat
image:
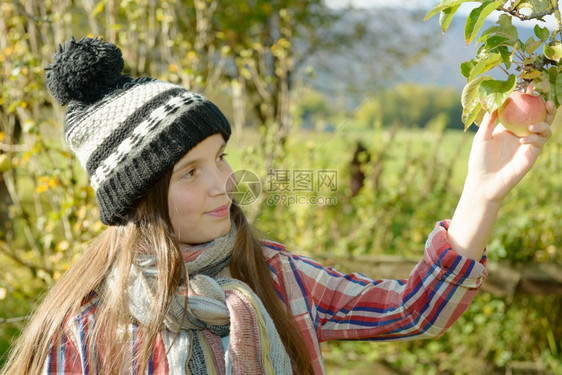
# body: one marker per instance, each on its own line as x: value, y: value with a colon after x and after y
x: 126, y: 132
x: 85, y: 70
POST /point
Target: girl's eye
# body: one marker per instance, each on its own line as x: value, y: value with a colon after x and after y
x: 221, y: 157
x: 190, y: 173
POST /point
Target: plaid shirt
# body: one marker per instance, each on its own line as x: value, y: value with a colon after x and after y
x: 329, y: 305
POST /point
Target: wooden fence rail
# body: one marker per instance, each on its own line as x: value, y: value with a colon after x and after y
x: 504, y: 279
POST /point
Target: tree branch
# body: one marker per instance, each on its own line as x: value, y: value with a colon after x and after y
x: 522, y: 17
x: 16, y: 258
x: 15, y: 319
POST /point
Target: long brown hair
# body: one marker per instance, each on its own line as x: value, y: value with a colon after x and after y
x: 147, y: 229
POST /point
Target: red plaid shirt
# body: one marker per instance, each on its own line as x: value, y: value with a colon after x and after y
x: 329, y: 305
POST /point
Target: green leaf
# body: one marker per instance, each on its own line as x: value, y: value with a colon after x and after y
x: 505, y: 30
x: 505, y: 20
x: 535, y: 6
x: 542, y: 33
x: 466, y: 67
x: 477, y: 17
x: 470, y: 101
x: 472, y: 116
x: 487, y: 63
x: 531, y: 45
x: 446, y: 16
x: 506, y: 55
x: 442, y: 5
x: 553, y: 52
x: 493, y: 93
x: 497, y: 40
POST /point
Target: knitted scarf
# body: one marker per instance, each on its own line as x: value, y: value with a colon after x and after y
x: 223, y: 327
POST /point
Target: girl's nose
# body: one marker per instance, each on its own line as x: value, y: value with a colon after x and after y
x: 220, y: 181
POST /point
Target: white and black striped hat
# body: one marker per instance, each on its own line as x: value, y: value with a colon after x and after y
x: 126, y: 132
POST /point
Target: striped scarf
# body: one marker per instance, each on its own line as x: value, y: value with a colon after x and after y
x: 220, y: 312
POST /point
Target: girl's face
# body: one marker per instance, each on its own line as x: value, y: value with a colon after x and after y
x: 199, y: 193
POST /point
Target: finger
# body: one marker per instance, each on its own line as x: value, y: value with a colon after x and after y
x: 541, y: 129
x: 487, y: 125
x: 530, y: 89
x: 533, y: 140
x: 541, y: 132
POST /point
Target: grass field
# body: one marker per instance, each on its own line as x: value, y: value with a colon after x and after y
x: 335, y: 150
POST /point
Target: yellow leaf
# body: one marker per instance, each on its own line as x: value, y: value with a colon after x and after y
x: 99, y: 8
x: 44, y: 183
x: 5, y: 163
x: 530, y: 74
x: 41, y: 188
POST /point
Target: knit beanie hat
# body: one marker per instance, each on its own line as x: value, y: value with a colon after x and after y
x: 126, y: 132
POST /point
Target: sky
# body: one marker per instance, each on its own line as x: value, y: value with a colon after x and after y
x: 412, y: 4
x: 426, y: 5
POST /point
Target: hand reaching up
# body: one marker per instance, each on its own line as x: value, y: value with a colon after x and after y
x: 499, y: 159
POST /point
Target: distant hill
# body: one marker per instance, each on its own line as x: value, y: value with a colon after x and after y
x: 351, y: 78
x: 442, y: 66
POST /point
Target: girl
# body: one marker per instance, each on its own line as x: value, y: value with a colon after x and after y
x: 180, y: 283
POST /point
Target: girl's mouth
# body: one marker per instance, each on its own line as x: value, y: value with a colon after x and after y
x: 222, y: 211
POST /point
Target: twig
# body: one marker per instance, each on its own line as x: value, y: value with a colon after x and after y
x: 522, y: 17
x: 15, y: 320
x: 7, y: 251
x: 12, y: 148
x: 35, y: 19
x: 504, y: 70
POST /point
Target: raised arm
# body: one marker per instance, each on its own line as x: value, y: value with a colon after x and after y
x: 354, y: 306
x: 498, y: 161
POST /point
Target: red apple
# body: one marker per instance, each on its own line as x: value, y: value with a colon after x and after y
x: 521, y: 110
